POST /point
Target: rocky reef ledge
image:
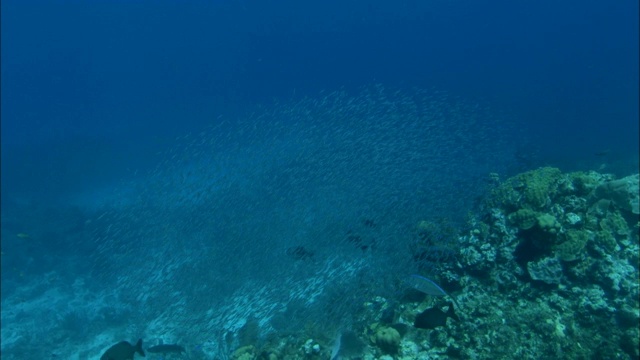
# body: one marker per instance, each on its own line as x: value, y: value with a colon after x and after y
x: 547, y: 268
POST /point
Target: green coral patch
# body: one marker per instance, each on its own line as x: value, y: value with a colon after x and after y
x: 548, y: 223
x: 584, y: 183
x: 571, y: 248
x: 524, y: 219
x: 387, y: 339
x: 531, y: 189
x: 606, y: 240
x: 539, y: 184
x: 615, y: 224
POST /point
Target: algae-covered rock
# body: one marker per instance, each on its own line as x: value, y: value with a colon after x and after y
x: 425, y: 226
x: 527, y: 190
x: 573, y: 245
x: 623, y: 192
x: 615, y: 224
x: 573, y: 219
x: 538, y: 185
x: 548, y: 223
x: 582, y: 183
x: 600, y: 208
x: 244, y: 353
x: 606, y: 240
x: 630, y: 343
x: 387, y: 339
x: 548, y: 270
x: 581, y: 270
x: 524, y: 219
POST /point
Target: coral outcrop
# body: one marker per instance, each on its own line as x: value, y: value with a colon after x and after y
x: 563, y: 253
x: 548, y: 269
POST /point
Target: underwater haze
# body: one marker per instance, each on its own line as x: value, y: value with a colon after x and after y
x: 248, y: 179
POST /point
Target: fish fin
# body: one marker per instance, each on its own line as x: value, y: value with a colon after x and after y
x: 139, y: 348
x: 451, y: 313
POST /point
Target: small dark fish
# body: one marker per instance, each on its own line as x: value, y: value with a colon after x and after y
x: 434, y: 317
x: 359, y: 242
x: 166, y: 349
x: 602, y: 153
x: 299, y: 253
x: 369, y: 223
x: 123, y: 351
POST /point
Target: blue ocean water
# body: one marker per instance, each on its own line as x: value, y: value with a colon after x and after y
x: 178, y: 168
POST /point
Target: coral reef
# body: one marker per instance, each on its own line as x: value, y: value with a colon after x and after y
x: 623, y: 192
x: 564, y: 271
x: 387, y: 339
x: 548, y: 269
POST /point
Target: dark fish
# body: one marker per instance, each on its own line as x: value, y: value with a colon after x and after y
x: 359, y: 242
x: 166, y: 349
x: 299, y: 253
x: 434, y: 317
x: 603, y: 152
x: 369, y: 223
x: 123, y: 351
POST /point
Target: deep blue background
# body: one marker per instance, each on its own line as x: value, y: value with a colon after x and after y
x: 88, y: 85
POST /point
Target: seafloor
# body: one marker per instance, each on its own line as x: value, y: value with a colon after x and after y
x: 546, y: 268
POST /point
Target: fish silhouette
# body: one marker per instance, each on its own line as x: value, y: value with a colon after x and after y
x: 123, y: 351
x: 434, y: 317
